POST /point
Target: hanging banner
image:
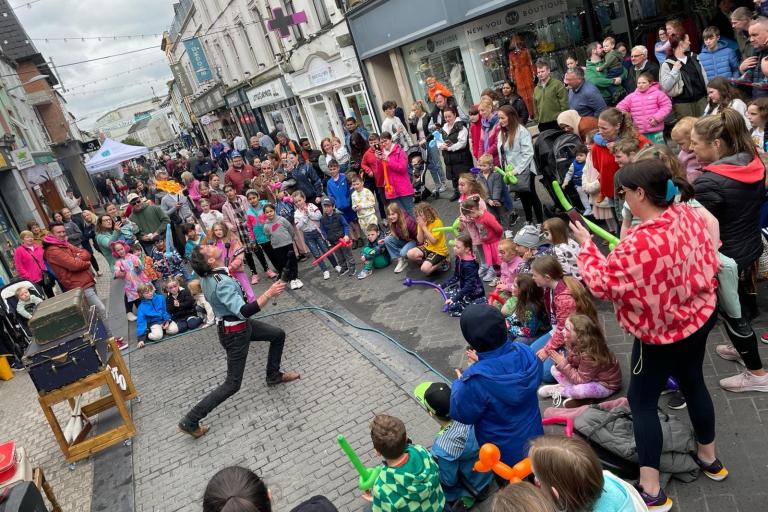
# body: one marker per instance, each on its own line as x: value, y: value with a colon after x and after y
x: 185, y: 87
x: 198, y: 60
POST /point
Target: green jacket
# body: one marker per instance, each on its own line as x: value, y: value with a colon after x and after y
x: 549, y: 101
x: 599, y: 80
x: 413, y: 486
x: 150, y: 219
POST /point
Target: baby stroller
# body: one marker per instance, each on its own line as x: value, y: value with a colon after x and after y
x: 14, y: 331
x: 553, y: 152
x: 418, y: 166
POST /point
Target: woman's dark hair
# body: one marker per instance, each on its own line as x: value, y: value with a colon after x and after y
x: 653, y: 177
x: 727, y: 92
x: 199, y: 262
x: 675, y: 40
x: 451, y: 108
x: 490, y: 93
x: 511, y: 84
x: 529, y: 295
x: 513, y: 121
x: 236, y: 489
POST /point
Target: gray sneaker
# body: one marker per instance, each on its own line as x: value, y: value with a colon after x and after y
x: 728, y: 352
x: 364, y: 273
x: 745, y: 381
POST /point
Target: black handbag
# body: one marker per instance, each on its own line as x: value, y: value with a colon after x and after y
x: 523, y: 179
x: 48, y: 281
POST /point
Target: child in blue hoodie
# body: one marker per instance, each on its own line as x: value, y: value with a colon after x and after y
x: 455, y: 448
x: 497, y: 394
x: 465, y: 286
x: 152, y: 318
x: 339, y: 190
x: 570, y: 475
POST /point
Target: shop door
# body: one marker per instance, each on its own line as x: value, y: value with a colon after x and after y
x: 355, y: 101
x: 51, y: 195
x: 9, y: 240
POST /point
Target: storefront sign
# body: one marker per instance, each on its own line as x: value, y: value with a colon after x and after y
x: 236, y: 98
x: 90, y: 146
x: 265, y: 94
x: 209, y: 101
x: 319, y: 72
x: 22, y: 158
x: 197, y: 58
x: 46, y: 158
x: 182, y: 80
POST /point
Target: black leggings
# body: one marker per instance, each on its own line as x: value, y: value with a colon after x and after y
x: 531, y: 203
x: 285, y: 258
x: 259, y: 252
x: 129, y: 304
x: 651, y: 365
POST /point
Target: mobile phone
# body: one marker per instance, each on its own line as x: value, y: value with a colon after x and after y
x: 377, y: 147
x: 118, y: 219
x: 575, y: 216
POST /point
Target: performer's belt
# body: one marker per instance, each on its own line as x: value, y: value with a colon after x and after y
x: 229, y: 327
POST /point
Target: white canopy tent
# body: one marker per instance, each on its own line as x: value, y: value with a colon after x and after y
x: 111, y: 154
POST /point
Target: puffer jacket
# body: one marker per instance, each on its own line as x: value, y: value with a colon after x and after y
x: 580, y: 368
x: 643, y: 105
x: 733, y: 190
x: 70, y: 264
x: 722, y: 61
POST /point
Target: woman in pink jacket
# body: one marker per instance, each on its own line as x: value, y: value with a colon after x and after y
x: 30, y: 264
x: 648, y: 105
x: 392, y: 165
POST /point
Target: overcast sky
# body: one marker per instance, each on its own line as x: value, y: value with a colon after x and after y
x: 82, y: 18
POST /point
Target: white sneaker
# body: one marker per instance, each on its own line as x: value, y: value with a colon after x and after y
x: 547, y: 390
x: 728, y: 352
x: 326, y: 275
x: 298, y: 284
x: 442, y: 188
x: 745, y: 381
x: 292, y: 284
x: 402, y: 264
x: 337, y: 268
x: 131, y: 317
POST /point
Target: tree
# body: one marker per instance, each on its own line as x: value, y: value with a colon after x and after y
x: 132, y: 141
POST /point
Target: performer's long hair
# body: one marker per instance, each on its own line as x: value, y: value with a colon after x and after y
x: 199, y: 263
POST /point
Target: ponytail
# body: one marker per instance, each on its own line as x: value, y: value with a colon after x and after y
x: 621, y: 119
x: 728, y: 126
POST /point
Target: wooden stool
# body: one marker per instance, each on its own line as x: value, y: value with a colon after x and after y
x: 83, y: 447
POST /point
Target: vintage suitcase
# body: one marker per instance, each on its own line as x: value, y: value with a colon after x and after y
x: 59, y: 316
x: 68, y: 359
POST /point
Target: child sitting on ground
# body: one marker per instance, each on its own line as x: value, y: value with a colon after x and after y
x: 193, y: 236
x: 529, y: 245
x: 575, y: 173
x: 27, y: 302
x: 489, y: 232
x: 181, y: 306
x: 167, y: 261
x: 681, y: 134
x: 508, y: 269
x: 363, y: 201
x: 334, y: 227
x: 525, y: 311
x: 374, y: 253
x: 152, y: 318
x: 410, y: 478
x: 149, y: 268
x: 432, y: 251
x: 564, y: 248
x: 307, y: 218
x: 204, y: 309
x: 464, y: 287
x: 455, y: 448
x: 589, y: 372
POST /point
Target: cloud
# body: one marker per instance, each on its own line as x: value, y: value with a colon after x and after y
x: 89, y: 18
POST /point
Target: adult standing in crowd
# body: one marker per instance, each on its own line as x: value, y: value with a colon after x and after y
x: 150, y: 220
x: 457, y: 156
x: 89, y: 238
x: 215, y: 200
x: 72, y: 266
x: 108, y: 231
x: 640, y: 65
x: 392, y: 165
x: 436, y: 116
x: 305, y: 176
x: 571, y: 122
x: 176, y: 207
x: 74, y: 204
x: 326, y: 155
x: 597, y: 78
x: 308, y: 154
x: 30, y: 264
x: 239, y: 173
x: 668, y: 307
x: 255, y: 151
x: 516, y: 148
x: 550, y: 97
x: 353, y: 127
x: 202, y: 167
x: 509, y: 96
x: 394, y: 125
x: 751, y: 67
x: 684, y: 79
x: 286, y: 145
x: 740, y: 19
x: 236, y: 330
x: 418, y: 123
x: 583, y: 97
x: 266, y: 141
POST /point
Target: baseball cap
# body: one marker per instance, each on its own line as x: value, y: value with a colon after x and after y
x: 132, y: 196
x: 327, y: 201
x: 435, y: 397
x: 235, y: 153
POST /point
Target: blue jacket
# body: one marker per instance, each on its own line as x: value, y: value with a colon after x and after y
x: 465, y: 274
x: 497, y: 395
x: 456, y: 450
x: 151, y: 312
x: 338, y: 189
x: 307, y: 180
x: 586, y: 100
x: 720, y: 62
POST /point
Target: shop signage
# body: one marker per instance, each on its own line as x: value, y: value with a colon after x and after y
x: 90, y: 146
x: 182, y: 80
x: 209, y: 101
x: 206, y: 120
x: 236, y: 98
x: 197, y: 58
x: 265, y: 94
x: 22, y: 158
x: 45, y: 158
x: 319, y: 72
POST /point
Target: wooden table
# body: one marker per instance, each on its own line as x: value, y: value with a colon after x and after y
x: 84, y: 446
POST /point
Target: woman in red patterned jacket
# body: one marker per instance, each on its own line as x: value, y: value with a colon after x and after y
x: 661, y: 280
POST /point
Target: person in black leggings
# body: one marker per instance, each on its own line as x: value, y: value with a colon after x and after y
x: 531, y: 203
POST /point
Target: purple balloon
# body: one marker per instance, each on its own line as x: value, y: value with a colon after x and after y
x: 410, y: 282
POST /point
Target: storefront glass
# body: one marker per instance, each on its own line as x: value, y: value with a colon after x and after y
x: 355, y: 98
x: 9, y: 240
x: 482, y: 54
x: 285, y: 113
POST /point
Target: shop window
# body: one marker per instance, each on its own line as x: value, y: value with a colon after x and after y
x: 322, y: 13
x: 355, y: 97
x: 295, y: 29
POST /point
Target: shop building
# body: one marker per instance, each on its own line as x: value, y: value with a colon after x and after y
x: 472, y: 45
x: 274, y: 104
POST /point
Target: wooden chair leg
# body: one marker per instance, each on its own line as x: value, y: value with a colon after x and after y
x: 42, y: 483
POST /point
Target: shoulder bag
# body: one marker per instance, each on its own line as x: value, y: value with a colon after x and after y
x: 523, y: 179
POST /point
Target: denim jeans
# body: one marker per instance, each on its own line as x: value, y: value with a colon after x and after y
x: 318, y: 246
x: 90, y: 296
x: 433, y: 164
x: 236, y: 346
x: 405, y: 202
x: 398, y: 248
x: 546, y: 374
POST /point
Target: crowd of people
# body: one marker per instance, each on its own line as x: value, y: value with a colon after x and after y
x: 688, y: 223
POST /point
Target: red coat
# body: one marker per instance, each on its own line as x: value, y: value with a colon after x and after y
x: 70, y: 264
x: 370, y: 167
x: 606, y: 165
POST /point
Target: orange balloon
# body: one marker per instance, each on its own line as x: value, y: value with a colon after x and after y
x: 489, y: 459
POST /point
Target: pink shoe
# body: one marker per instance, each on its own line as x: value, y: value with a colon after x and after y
x: 255, y: 279
x: 271, y: 274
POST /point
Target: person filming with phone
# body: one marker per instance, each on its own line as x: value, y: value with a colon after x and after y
x: 236, y: 331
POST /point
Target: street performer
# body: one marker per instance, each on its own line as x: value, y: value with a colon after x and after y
x: 236, y: 331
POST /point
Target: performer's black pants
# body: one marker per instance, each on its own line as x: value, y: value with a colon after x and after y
x: 236, y: 345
